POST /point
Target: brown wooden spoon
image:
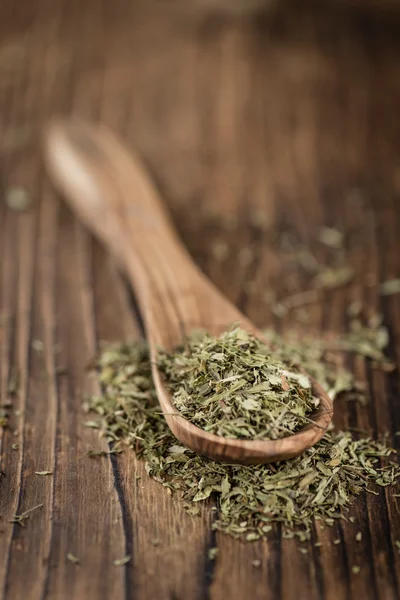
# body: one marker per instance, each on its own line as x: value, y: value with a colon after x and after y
x: 110, y: 191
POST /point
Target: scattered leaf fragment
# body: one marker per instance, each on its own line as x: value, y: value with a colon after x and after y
x: 92, y: 424
x: 18, y: 199
x: 354, y: 309
x: 13, y: 384
x: 38, y: 345
x: 72, y: 558
x: 220, y: 250
x: 331, y: 237
x: 20, y: 519
x: 96, y: 453
x: 120, y: 562
x: 212, y: 553
x: 330, y: 278
x: 252, y: 537
x: 390, y: 287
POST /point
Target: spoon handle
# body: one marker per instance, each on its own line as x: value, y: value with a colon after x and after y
x: 110, y: 191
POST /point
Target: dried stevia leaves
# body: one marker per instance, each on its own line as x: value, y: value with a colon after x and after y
x: 235, y: 387
x: 320, y: 484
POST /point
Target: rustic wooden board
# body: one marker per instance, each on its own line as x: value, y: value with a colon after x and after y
x: 294, y: 114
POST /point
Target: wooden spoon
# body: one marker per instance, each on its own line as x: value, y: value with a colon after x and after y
x: 110, y: 191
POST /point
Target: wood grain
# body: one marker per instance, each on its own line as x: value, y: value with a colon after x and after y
x: 295, y: 113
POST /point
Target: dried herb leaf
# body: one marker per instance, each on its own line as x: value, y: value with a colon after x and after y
x: 220, y: 250
x: 331, y: 237
x: 390, y: 287
x: 92, y: 424
x: 38, y: 345
x: 18, y: 199
x: 333, y: 277
x: 96, y: 453
x: 73, y: 559
x: 120, y: 562
x: 20, y: 519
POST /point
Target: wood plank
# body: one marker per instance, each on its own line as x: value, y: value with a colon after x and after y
x: 72, y: 518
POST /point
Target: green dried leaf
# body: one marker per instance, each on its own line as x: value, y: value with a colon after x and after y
x: 38, y: 345
x: 203, y: 494
x: 20, y: 519
x: 225, y: 487
x: 120, y: 562
x: 92, y: 424
x: 331, y: 237
x: 220, y: 250
x: 13, y: 384
x: 96, y: 453
x: 333, y: 277
x: 252, y: 537
x: 18, y: 199
x: 390, y: 287
x: 177, y: 449
x: 73, y: 559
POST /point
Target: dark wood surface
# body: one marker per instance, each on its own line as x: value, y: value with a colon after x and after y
x: 295, y: 114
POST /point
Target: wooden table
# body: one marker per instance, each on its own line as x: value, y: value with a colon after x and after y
x: 295, y: 115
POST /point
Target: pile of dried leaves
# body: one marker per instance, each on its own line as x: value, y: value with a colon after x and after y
x: 234, y: 386
x: 321, y: 483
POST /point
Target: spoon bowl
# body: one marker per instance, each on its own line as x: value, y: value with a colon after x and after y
x: 110, y: 191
